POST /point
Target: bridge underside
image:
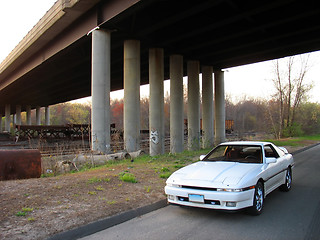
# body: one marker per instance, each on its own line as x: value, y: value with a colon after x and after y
x: 220, y: 33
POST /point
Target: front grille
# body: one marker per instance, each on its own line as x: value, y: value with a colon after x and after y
x: 206, y: 201
x: 199, y: 188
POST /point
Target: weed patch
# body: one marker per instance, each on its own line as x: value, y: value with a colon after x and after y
x: 165, y: 175
x: 164, y: 169
x: 127, y: 177
x: 31, y: 219
x: 24, y: 212
x: 94, y: 180
x: 178, y: 166
x: 147, y: 188
x: 99, y: 188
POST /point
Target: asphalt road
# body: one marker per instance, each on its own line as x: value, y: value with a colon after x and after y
x: 292, y: 215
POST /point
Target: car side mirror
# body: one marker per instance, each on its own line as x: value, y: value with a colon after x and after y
x: 202, y: 157
x: 271, y: 160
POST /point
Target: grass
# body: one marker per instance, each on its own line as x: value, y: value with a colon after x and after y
x: 162, y: 163
x: 21, y: 214
x: 294, y: 142
x: 147, y: 189
x: 164, y: 169
x: 27, y: 209
x: 312, y: 137
x: 99, y: 188
x: 165, y: 164
x: 165, y: 175
x: 24, y: 212
x: 97, y: 180
x: 94, y: 180
x: 127, y: 177
x: 111, y: 202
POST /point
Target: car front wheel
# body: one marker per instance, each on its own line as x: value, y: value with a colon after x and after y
x: 287, y: 185
x: 258, y: 200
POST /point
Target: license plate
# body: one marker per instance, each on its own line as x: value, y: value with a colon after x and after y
x: 196, y: 198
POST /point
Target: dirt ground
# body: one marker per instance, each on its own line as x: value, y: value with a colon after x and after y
x: 39, y: 208
x: 55, y: 204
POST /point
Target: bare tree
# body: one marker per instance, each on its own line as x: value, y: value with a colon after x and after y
x: 291, y: 89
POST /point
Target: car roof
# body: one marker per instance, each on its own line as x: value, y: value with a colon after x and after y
x: 260, y: 143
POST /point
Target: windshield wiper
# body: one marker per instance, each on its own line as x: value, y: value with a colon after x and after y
x: 219, y: 159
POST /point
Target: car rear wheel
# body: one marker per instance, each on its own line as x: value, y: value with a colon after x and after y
x: 258, y: 200
x: 287, y: 185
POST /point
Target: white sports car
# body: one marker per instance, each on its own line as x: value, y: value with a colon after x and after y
x: 232, y: 176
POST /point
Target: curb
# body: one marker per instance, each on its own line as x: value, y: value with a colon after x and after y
x: 103, y: 224
x: 304, y: 149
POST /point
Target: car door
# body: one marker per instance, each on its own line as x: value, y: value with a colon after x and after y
x: 274, y: 170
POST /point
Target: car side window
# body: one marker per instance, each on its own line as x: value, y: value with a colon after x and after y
x: 269, y: 151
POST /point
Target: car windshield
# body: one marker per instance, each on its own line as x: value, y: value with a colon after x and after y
x: 236, y: 153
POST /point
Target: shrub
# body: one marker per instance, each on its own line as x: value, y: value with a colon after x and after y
x: 294, y: 130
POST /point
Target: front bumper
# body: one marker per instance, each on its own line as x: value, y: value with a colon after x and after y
x: 212, y: 199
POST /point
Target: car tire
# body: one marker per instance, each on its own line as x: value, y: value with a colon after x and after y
x: 258, y: 200
x: 288, y: 183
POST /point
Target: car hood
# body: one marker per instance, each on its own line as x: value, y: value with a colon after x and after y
x: 226, y: 173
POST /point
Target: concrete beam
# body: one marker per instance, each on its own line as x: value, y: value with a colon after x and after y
x: 131, y: 95
x: 220, y: 112
x: 18, y: 114
x: 207, y: 107
x: 38, y: 115
x: 28, y: 110
x: 100, y: 90
x: 0, y: 123
x: 193, y: 105
x: 47, y: 115
x: 176, y: 104
x: 8, y: 118
x: 156, y: 104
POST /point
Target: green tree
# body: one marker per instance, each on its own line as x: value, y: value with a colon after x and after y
x: 308, y: 116
x: 78, y: 113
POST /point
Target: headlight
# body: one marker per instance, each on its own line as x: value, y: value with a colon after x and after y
x: 228, y: 190
x: 173, y: 185
x: 234, y: 189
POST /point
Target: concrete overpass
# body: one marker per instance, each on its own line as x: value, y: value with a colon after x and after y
x: 148, y: 41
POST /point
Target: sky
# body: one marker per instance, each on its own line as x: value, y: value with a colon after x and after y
x: 17, y: 17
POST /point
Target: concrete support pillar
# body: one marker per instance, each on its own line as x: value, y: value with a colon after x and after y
x: 220, y: 113
x: 38, y: 115
x: 193, y: 106
x: 18, y: 115
x: 8, y: 118
x: 131, y: 95
x: 47, y: 115
x: 100, y: 90
x: 156, y: 105
x: 207, y: 107
x: 28, y: 110
x: 176, y: 104
x: 0, y: 123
